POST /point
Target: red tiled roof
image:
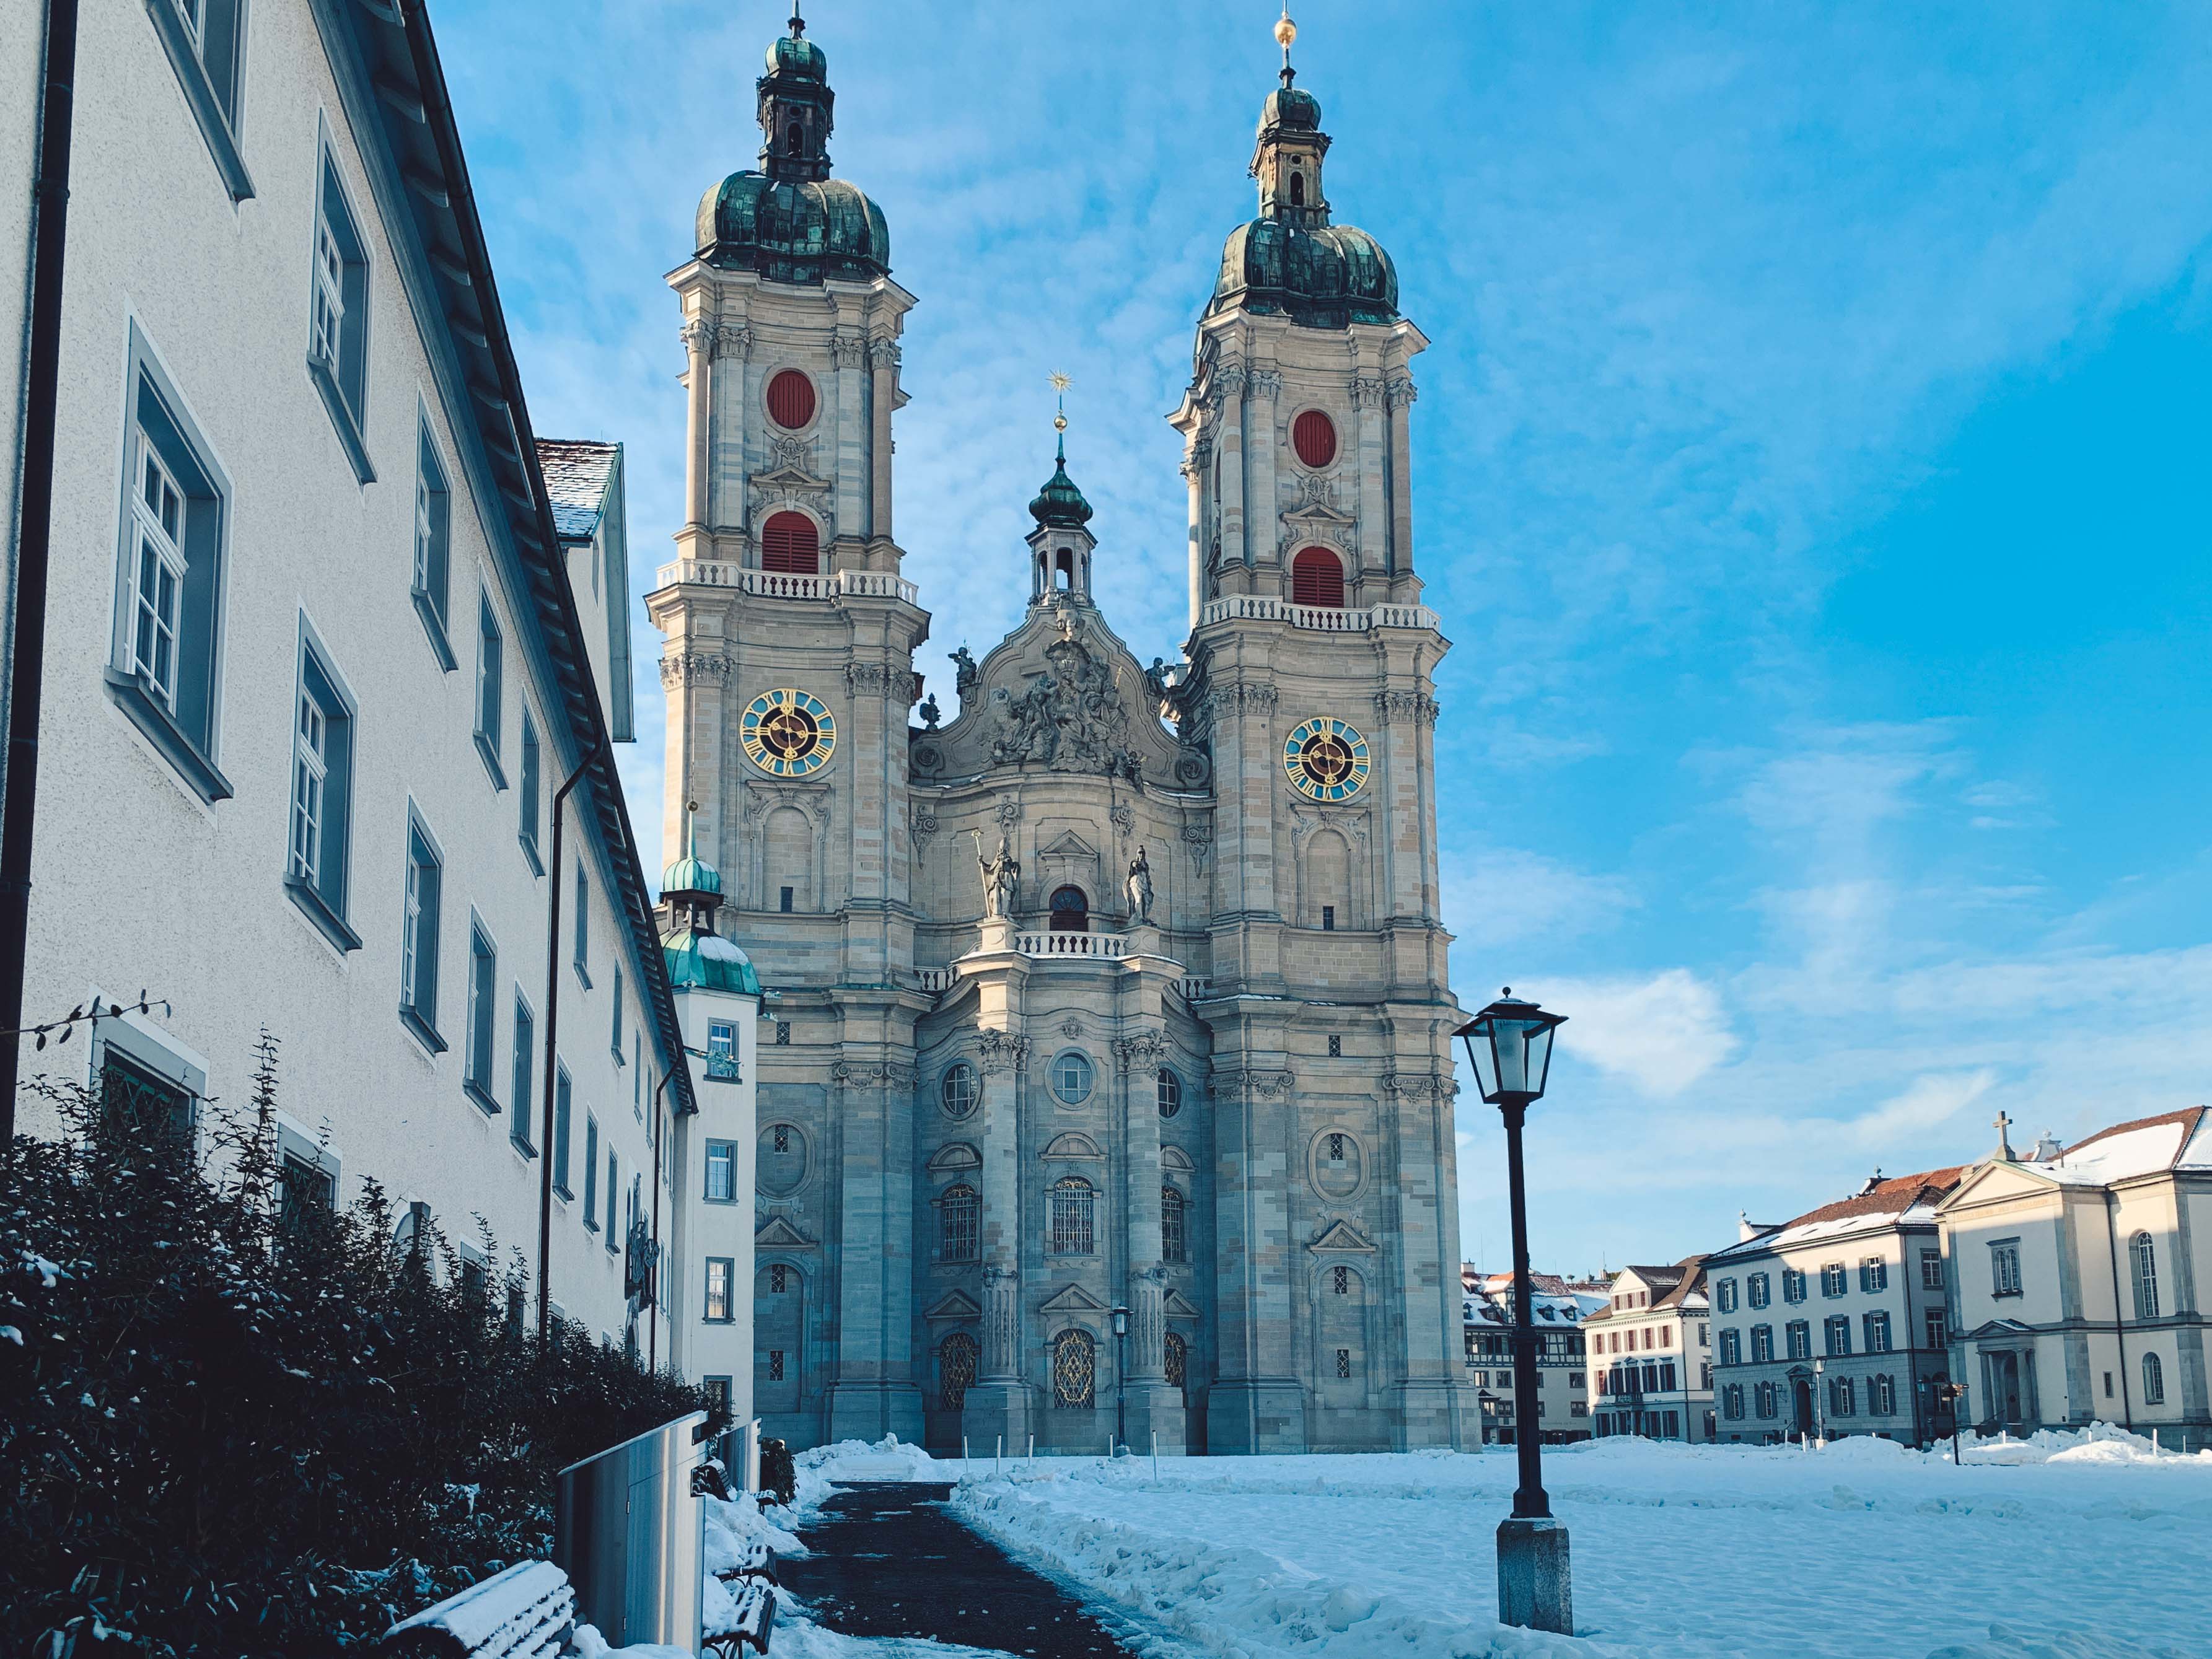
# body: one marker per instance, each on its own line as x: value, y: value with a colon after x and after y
x: 2188, y: 1117
x: 1893, y: 1196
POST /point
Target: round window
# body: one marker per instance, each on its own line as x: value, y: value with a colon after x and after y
x: 1071, y: 1075
x: 780, y: 1167
x: 1170, y: 1093
x: 791, y: 401
x: 1313, y: 435
x: 958, y: 1090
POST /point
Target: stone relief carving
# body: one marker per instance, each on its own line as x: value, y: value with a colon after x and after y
x: 1367, y: 392
x: 790, y: 453
x: 921, y: 824
x: 1140, y: 1051
x: 1000, y: 1051
x: 1266, y: 384
x: 1256, y: 1085
x: 872, y: 677
x: 1391, y: 706
x: 847, y: 350
x: 1009, y: 812
x: 697, y: 335
x: 689, y: 668
x: 1401, y: 393
x: 1124, y: 818
x: 1198, y: 838
x: 1415, y: 1085
x: 1071, y: 717
x: 884, y: 354
x: 733, y: 341
x: 847, y: 1075
x: 1071, y: 1029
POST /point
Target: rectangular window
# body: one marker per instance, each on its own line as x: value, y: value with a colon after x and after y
x: 1837, y: 1332
x: 720, y: 1269
x: 205, y: 40
x: 721, y: 1172
x: 783, y: 902
x: 1877, y: 1333
x: 1936, y: 1327
x: 1328, y: 918
x: 1842, y: 1397
x: 1835, y: 1278
x: 592, y: 1176
x: 1732, y: 1402
x: 526, y: 1040
x: 1873, y: 1274
x: 1727, y: 1295
x: 418, y: 938
x: 614, y: 1036
x: 776, y: 1364
x: 1731, y: 1346
x: 614, y: 1186
x: 561, y: 1132
x: 1793, y: 1285
x: 529, y: 805
x: 305, y: 1189
x: 1881, y: 1395
x: 721, y: 1051
x: 1931, y: 1270
x: 1766, y: 1396
x: 322, y: 795
x: 637, y: 1075
x: 490, y: 672
x: 1798, y: 1336
x: 483, y: 981
x: 1755, y: 1290
x: 1762, y: 1345
x: 338, y: 333
x: 433, y: 513
x: 2004, y: 1269
x: 583, y: 925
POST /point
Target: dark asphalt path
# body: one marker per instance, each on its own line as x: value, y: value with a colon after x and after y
x: 888, y: 1560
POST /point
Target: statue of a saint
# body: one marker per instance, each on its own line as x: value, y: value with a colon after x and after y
x: 1140, y: 889
x: 931, y: 714
x: 963, y: 672
x: 1001, y: 874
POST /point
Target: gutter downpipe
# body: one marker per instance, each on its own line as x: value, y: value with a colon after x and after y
x: 34, y: 542
x: 557, y: 870
x: 653, y: 1315
x: 2120, y: 1327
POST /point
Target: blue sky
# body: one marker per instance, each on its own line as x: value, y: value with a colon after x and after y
x: 1811, y: 467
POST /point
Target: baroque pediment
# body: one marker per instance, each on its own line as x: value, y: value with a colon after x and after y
x: 1176, y: 1305
x: 778, y: 1234
x: 956, y: 1304
x: 1073, y: 1299
x: 1341, y: 1236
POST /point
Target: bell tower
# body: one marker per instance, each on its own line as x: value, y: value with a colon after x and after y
x: 1311, y: 660
x: 788, y: 668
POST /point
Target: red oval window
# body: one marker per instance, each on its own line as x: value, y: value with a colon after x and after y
x: 790, y: 547
x: 1313, y: 435
x: 1317, y: 579
x: 791, y: 401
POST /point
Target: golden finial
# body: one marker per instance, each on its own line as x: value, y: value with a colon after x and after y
x: 1060, y: 385
x: 1286, y: 32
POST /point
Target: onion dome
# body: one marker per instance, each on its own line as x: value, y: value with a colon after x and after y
x: 697, y: 957
x: 1290, y: 261
x: 1059, y: 505
x: 790, y: 221
x: 690, y: 875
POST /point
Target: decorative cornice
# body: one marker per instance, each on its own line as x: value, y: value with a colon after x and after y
x: 1254, y: 1084
x: 1000, y: 1051
x: 1416, y: 1085
x: 689, y: 668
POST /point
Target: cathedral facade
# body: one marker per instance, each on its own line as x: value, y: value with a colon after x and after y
x: 1106, y: 1060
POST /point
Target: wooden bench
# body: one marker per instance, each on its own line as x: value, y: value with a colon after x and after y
x: 755, y: 1617
x: 528, y: 1612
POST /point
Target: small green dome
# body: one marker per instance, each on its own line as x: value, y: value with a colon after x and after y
x: 690, y: 875
x: 791, y: 230
x: 707, y: 961
x: 1060, y: 503
x: 1293, y: 109
x: 798, y: 58
x: 1319, y: 276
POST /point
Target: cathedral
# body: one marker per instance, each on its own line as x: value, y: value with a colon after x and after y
x: 1104, y: 1072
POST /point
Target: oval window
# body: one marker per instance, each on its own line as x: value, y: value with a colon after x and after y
x: 959, y: 1092
x: 791, y: 401
x: 1170, y: 1093
x: 1071, y: 1078
x: 1313, y: 435
x: 790, y: 545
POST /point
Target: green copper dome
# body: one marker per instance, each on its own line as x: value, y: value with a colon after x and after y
x: 793, y: 230
x: 690, y: 875
x: 1293, y: 109
x: 1320, y: 276
x: 1060, y: 503
x: 798, y: 58
x: 696, y: 957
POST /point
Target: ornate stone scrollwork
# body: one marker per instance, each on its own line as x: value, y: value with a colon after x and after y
x: 1265, y: 384
x: 1402, y: 391
x: 847, y: 350
x: 1419, y: 1085
x: 733, y: 341
x: 788, y: 453
x: 1367, y: 392
x: 1140, y: 1051
x: 694, y: 668
x: 1000, y: 1051
x: 697, y: 335
x: 847, y: 1075
x: 1071, y: 719
x: 1198, y: 838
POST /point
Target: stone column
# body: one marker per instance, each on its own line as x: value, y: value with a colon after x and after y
x: 1151, y: 1407
x: 698, y: 336
x: 883, y: 392
x: 848, y: 352
x: 874, y: 1393
x: 1424, y: 1363
x: 695, y: 675
x: 1194, y: 463
x: 1256, y: 1402
x: 1228, y: 397
x: 997, y: 1409
x: 726, y: 489
x: 1371, y: 435
x: 1400, y: 394
x: 1262, y: 387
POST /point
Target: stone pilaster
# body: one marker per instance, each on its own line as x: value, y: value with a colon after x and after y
x: 1229, y: 387
x: 848, y: 352
x: 725, y: 495
x: 1257, y: 1402
x: 1263, y: 389
x: 1194, y: 465
x: 882, y: 397
x: 1000, y: 1402
x: 875, y: 1392
x: 1371, y: 439
x: 1401, y: 394
x: 698, y: 338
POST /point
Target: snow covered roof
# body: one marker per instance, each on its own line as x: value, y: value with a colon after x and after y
x: 2149, y: 1145
x: 576, y: 472
x: 1898, y: 1200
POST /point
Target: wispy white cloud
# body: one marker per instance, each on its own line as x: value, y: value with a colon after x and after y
x: 1660, y: 1034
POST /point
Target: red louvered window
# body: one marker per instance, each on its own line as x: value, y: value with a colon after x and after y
x: 1313, y: 435
x: 790, y: 547
x: 1317, y: 579
x: 791, y: 399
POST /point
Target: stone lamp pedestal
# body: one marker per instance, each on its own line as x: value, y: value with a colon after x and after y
x: 1535, y: 1590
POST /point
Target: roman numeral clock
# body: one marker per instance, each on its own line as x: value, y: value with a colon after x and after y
x: 1326, y: 759
x: 788, y: 733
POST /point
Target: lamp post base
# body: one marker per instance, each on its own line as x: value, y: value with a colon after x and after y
x: 1535, y: 1590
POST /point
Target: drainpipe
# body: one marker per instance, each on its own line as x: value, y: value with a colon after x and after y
x: 558, y: 872
x: 2120, y: 1331
x: 652, y: 1307
x: 49, y: 236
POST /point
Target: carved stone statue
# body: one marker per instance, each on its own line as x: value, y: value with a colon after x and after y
x: 930, y: 714
x: 1156, y: 679
x: 1001, y: 875
x: 1140, y: 889
x: 1070, y: 718
x: 964, y: 672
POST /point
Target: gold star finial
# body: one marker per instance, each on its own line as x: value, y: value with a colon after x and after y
x: 1060, y: 385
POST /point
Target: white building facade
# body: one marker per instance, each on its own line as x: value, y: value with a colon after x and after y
x: 1561, y: 1408
x: 315, y: 671
x: 2075, y: 1280
x: 1650, y: 1355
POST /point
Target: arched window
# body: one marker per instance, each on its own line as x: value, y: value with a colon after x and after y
x: 790, y: 399
x: 1313, y: 435
x: 794, y: 139
x: 1071, y: 1232
x: 956, y: 1370
x: 2154, y: 1381
x: 1075, y: 1370
x: 1298, y: 190
x: 1170, y: 1093
x: 1178, y: 1364
x: 2142, y: 1257
x: 1064, y: 569
x: 790, y: 545
x: 959, y: 1212
x: 1172, y: 1245
x: 1317, y: 579
x: 1071, y: 911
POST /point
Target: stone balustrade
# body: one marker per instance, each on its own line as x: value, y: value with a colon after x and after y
x: 777, y: 584
x: 1324, y: 619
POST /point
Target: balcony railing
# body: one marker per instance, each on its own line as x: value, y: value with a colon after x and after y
x: 1324, y: 619
x: 1072, y: 945
x: 775, y: 584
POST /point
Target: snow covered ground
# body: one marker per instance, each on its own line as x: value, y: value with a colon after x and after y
x: 2089, y: 1547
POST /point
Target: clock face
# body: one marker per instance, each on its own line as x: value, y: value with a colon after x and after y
x: 1326, y: 759
x: 788, y: 733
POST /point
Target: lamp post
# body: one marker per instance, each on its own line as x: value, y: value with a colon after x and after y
x: 1509, y: 1045
x: 1120, y: 1391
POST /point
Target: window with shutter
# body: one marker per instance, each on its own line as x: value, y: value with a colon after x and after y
x: 1317, y: 579
x: 790, y: 546
x: 790, y: 399
x: 1313, y: 435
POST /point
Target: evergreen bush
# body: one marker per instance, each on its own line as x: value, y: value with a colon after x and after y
x: 233, y: 1424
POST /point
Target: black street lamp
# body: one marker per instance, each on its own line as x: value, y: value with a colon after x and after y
x: 1508, y: 1044
x: 1120, y: 1388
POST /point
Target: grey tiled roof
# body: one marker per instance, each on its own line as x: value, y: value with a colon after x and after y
x: 576, y: 473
